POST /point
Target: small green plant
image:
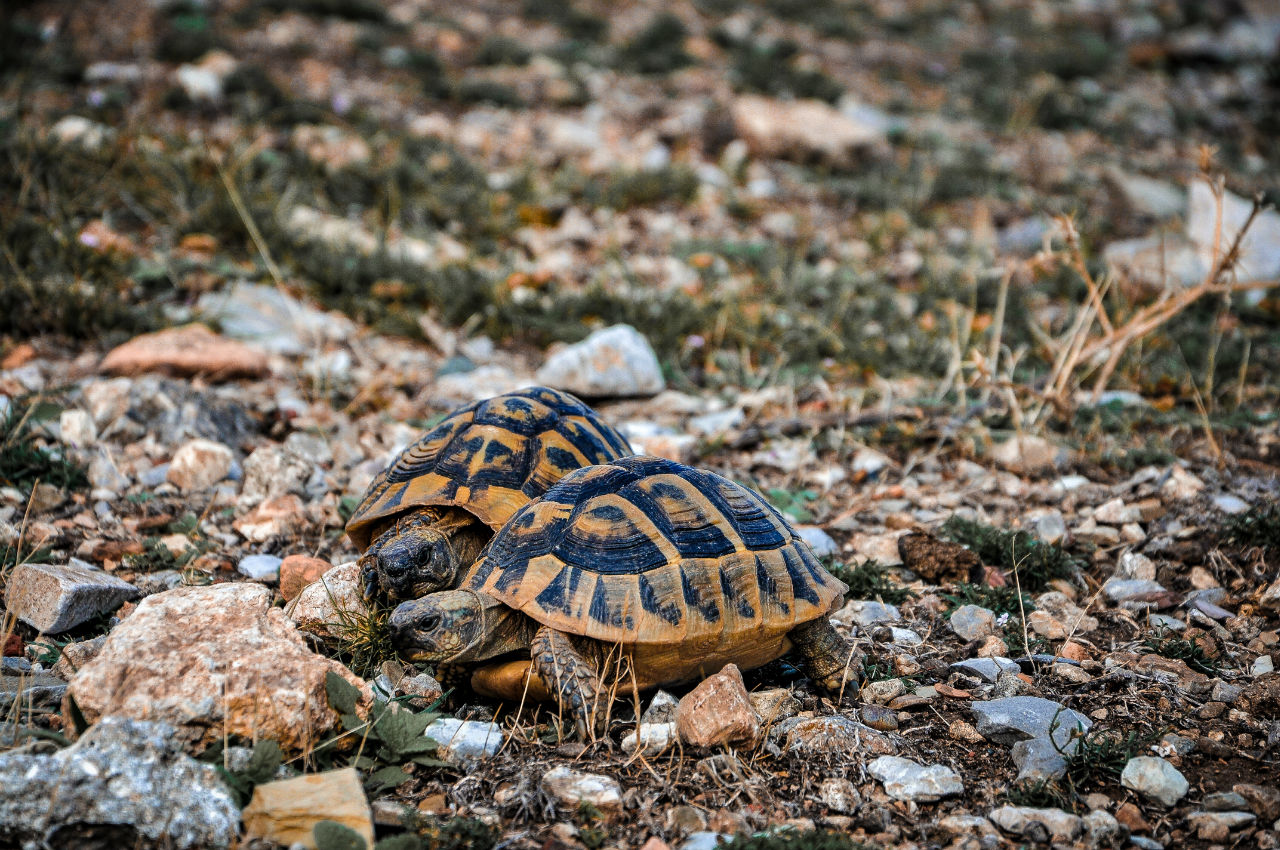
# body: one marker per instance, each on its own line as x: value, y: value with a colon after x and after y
x: 364, y: 638
x: 817, y: 839
x: 261, y: 767
x: 391, y: 736
x: 1035, y: 562
x: 1258, y: 527
x: 591, y: 832
x: 1040, y: 794
x: 658, y: 48
x: 793, y: 503
x: 1167, y: 643
x: 1096, y: 756
x: 23, y: 461
x: 157, y: 556
x: 869, y: 580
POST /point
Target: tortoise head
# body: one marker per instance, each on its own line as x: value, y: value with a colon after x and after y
x: 413, y: 558
x: 444, y: 626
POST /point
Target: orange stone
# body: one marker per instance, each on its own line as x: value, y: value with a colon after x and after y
x: 186, y: 351
x: 298, y: 571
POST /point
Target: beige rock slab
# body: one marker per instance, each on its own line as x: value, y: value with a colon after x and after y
x: 213, y: 661
x: 801, y: 128
x: 287, y: 811
x: 187, y: 350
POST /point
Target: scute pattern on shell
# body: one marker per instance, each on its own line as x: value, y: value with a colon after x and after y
x: 646, y: 550
x: 490, y: 458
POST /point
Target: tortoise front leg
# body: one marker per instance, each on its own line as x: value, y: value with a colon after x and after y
x: 827, y: 658
x: 571, y: 678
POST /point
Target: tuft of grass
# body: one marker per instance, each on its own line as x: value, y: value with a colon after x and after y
x: 364, y: 639
x: 1035, y: 562
x: 1169, y: 644
x: 1258, y: 527
x: 156, y: 556
x: 501, y: 50
x: 817, y: 839
x: 658, y: 48
x: 869, y: 580
x: 23, y: 461
x: 1041, y: 794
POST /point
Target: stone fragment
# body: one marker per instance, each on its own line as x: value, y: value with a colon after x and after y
x: 31, y: 693
x: 52, y: 598
x: 271, y: 472
x: 264, y: 568
x: 324, y: 606
x: 866, y: 613
x: 1038, y: 824
x: 966, y: 825
x: 662, y: 709
x: 298, y: 571
x: 286, y: 811
x: 883, y: 692
x: 801, y: 129
x: 905, y: 779
x: 125, y: 780
x: 879, y: 717
x: 718, y: 711
x: 986, y: 669
x: 76, y: 429
x: 198, y: 465
x: 1180, y: 484
x: 959, y: 730
x: 1072, y: 617
x: 611, y: 363
x: 1014, y: 719
x: 1026, y: 454
x: 1215, y: 826
x: 972, y: 622
x: 1116, y: 512
x: 1050, y: 528
x: 186, y: 351
x: 651, y: 738
x: 818, y: 540
x: 573, y: 788
x: 465, y: 741
x: 1038, y: 760
x: 1259, y: 257
x: 836, y: 736
x: 1119, y: 590
x: 1154, y: 778
x: 273, y: 320
x: 75, y: 655
x: 1263, y: 800
x: 1101, y: 829
x: 839, y: 795
x: 213, y: 661
x: 773, y: 705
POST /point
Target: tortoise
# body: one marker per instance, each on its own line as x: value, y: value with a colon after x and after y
x: 675, y: 570
x: 427, y: 516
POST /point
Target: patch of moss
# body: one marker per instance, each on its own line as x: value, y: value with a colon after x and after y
x: 772, y: 69
x: 870, y: 580
x: 501, y: 50
x: 1257, y: 527
x: 658, y: 48
x: 23, y: 458
x: 472, y: 90
x: 1035, y: 562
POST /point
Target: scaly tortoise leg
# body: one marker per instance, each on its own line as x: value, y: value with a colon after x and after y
x: 827, y: 658
x: 571, y: 678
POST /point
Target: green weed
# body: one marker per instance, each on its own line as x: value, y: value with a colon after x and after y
x: 392, y: 737
x: 23, y: 460
x: 364, y: 639
x: 658, y: 48
x: 1257, y: 527
x: 1001, y: 600
x: 869, y: 580
x: 793, y: 503
x: 1035, y: 562
x: 1168, y: 644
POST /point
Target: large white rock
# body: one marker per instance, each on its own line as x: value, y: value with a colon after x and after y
x: 1155, y: 779
x: 905, y: 779
x: 614, y: 362
x: 213, y: 661
x: 802, y: 129
x: 464, y: 741
x: 199, y: 464
x: 571, y: 788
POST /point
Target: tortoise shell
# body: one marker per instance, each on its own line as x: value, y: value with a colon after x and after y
x: 490, y: 458
x: 687, y: 569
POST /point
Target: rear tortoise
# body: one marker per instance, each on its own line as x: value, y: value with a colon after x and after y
x: 427, y: 516
x: 675, y: 570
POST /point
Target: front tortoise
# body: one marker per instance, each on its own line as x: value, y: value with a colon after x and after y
x: 427, y: 516
x: 674, y: 570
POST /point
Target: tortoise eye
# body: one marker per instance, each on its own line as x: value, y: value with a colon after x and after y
x: 429, y: 623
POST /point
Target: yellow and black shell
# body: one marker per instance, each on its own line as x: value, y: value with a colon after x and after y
x: 490, y: 458
x: 683, y: 568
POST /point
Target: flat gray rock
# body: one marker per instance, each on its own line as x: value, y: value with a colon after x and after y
x: 986, y: 669
x: 52, y: 598
x: 33, y: 691
x: 125, y: 783
x: 905, y: 779
x: 1014, y: 719
x: 1155, y: 779
x: 614, y: 362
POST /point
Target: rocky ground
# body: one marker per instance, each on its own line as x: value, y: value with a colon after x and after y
x: 253, y: 249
